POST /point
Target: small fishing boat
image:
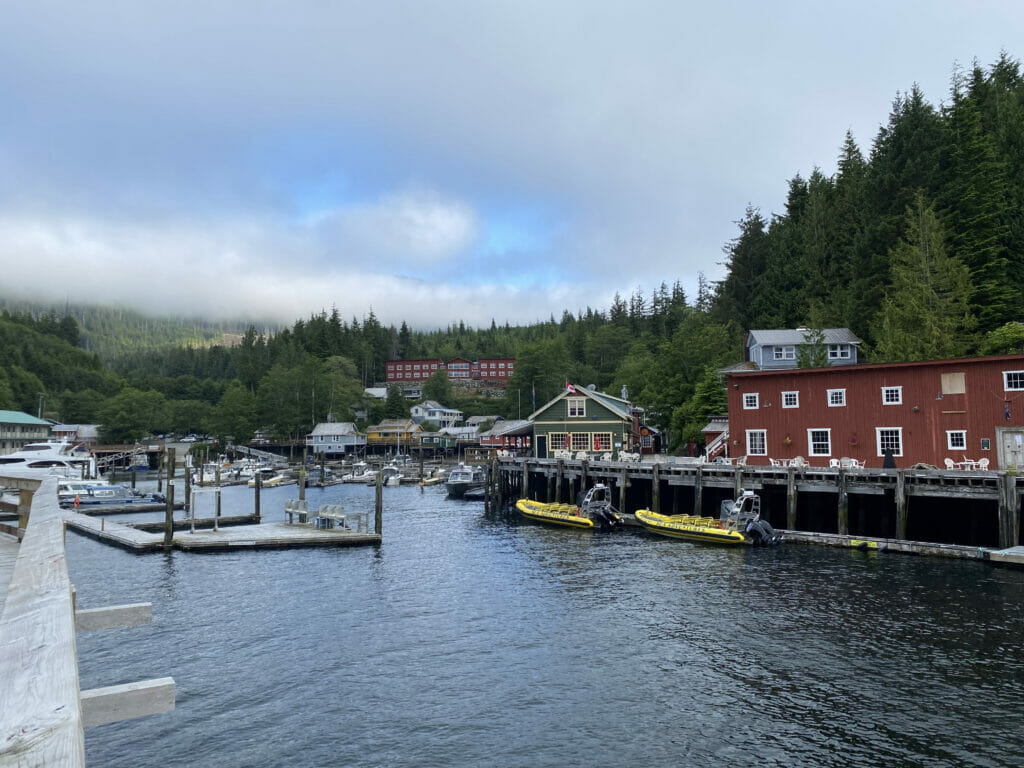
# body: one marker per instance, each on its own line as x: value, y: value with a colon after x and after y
x: 594, y: 510
x: 739, y: 523
x: 462, y: 479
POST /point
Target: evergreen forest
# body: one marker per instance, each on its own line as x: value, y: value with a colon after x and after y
x: 917, y: 245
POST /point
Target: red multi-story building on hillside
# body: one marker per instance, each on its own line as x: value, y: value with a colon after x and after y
x: 493, y: 370
x: 965, y: 409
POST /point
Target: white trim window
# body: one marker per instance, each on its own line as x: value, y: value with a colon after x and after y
x: 784, y: 353
x: 819, y: 442
x: 791, y: 399
x: 892, y: 395
x: 956, y: 439
x: 838, y: 351
x: 891, y: 438
x: 1013, y: 380
x: 577, y: 407
x: 580, y: 441
x: 757, y: 442
x: 750, y: 401
x: 836, y: 398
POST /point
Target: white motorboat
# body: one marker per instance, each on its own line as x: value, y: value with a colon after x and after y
x: 50, y: 459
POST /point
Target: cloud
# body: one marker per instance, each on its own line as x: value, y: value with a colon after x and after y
x: 414, y: 226
x: 434, y: 161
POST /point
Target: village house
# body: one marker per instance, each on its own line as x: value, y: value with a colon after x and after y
x: 777, y: 349
x: 335, y: 438
x: 939, y: 412
x: 433, y: 412
x: 393, y: 433
x: 582, y: 419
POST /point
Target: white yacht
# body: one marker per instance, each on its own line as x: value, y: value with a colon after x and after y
x: 50, y: 458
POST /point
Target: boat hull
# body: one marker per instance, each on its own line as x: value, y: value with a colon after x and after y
x: 686, y: 527
x: 458, y: 490
x: 566, y: 515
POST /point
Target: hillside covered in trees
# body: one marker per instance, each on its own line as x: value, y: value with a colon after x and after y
x: 918, y: 246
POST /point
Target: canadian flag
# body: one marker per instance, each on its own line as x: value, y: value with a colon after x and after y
x: 569, y: 387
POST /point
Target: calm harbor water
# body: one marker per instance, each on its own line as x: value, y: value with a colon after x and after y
x: 468, y: 641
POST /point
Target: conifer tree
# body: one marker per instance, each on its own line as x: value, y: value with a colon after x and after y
x: 925, y: 312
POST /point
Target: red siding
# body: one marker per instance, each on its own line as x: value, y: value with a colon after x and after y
x: 922, y: 415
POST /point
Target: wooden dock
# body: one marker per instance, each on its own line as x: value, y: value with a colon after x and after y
x: 265, y: 535
x: 973, y: 509
x: 43, y: 711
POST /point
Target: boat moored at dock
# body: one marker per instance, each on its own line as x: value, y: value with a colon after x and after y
x: 739, y: 523
x: 594, y: 510
x: 465, y: 478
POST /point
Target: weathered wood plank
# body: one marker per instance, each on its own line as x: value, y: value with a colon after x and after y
x: 125, y: 702
x: 40, y: 713
x: 113, y: 617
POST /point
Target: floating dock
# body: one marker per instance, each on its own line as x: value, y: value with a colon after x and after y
x: 272, y: 535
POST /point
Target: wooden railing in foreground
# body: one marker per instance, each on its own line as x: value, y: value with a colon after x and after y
x: 42, y: 710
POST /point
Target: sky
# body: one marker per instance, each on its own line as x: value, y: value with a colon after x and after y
x: 431, y: 161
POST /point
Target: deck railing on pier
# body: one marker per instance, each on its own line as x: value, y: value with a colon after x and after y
x: 43, y: 711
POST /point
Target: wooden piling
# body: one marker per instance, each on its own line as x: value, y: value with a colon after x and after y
x: 558, y: 481
x: 698, y: 492
x: 656, y: 490
x: 737, y: 482
x: 901, y: 505
x: 378, y: 505
x: 169, y: 515
x: 843, y: 508
x: 188, y: 485
x: 257, y: 487
x: 524, y: 492
x: 302, y: 485
x: 791, y: 499
x: 216, y: 515
x: 622, y: 490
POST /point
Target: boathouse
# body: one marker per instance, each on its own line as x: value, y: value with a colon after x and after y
x: 945, y: 413
x: 582, y: 419
x: 335, y: 438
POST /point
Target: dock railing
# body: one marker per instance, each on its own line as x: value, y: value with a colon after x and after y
x: 43, y: 711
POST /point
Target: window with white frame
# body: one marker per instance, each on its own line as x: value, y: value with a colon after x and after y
x: 956, y: 439
x: 892, y: 395
x: 580, y: 441
x: 557, y: 441
x: 577, y: 407
x: 838, y: 351
x: 891, y: 438
x: 757, y: 442
x: 785, y: 353
x: 1013, y: 380
x: 836, y: 398
x: 819, y: 442
x: 749, y: 400
x: 602, y: 441
x: 790, y: 399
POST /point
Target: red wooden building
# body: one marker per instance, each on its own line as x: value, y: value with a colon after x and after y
x: 494, y: 370
x: 412, y: 370
x: 965, y: 409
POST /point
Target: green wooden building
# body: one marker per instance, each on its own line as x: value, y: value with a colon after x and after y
x: 580, y: 420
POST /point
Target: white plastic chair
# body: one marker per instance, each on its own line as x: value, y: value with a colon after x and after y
x: 983, y: 465
x: 949, y: 463
x: 834, y: 464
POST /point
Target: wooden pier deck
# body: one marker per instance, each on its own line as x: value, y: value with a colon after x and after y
x: 43, y: 711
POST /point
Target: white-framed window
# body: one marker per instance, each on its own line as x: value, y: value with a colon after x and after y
x: 757, y: 442
x: 956, y: 439
x: 1013, y: 380
x: 891, y: 438
x: 836, y: 398
x: 790, y: 399
x: 602, y: 441
x: 819, y: 442
x: 580, y: 441
x: 892, y: 395
x: 557, y: 441
x: 838, y: 351
x: 577, y: 407
x: 784, y: 353
x: 750, y: 400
